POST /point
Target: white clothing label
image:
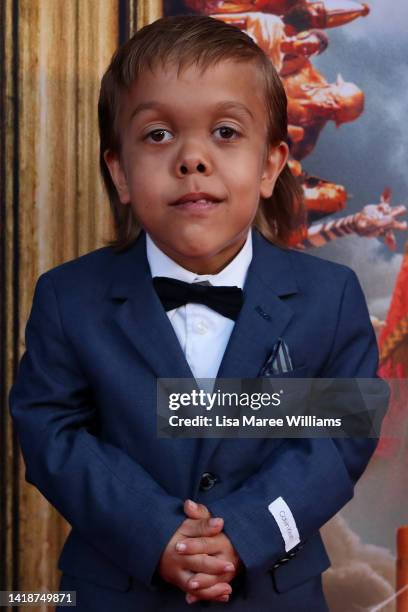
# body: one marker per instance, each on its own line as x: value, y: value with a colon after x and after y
x: 286, y: 523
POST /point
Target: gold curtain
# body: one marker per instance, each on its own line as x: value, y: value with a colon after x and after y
x: 53, y: 53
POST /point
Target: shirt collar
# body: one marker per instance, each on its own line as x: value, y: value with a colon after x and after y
x: 234, y: 274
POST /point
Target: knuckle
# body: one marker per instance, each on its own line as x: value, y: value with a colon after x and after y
x: 190, y: 547
x: 202, y: 562
x: 182, y: 584
x: 220, y: 568
x: 205, y: 582
x: 205, y: 594
x: 205, y: 511
x: 210, y: 582
x: 203, y: 542
x: 206, y: 561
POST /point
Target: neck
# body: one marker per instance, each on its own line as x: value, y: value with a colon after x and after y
x: 205, y: 265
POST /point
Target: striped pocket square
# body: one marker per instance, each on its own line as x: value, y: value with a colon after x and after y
x: 279, y: 360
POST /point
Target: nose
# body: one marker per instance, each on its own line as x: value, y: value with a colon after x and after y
x: 192, y: 165
x: 192, y: 156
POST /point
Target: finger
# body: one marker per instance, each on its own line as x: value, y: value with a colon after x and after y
x: 181, y: 578
x: 223, y: 598
x: 206, y: 564
x: 194, y: 528
x: 195, y: 599
x: 203, y: 581
x: 218, y: 590
x: 195, y: 510
x: 200, y: 545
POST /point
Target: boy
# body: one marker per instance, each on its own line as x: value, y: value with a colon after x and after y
x: 195, y: 154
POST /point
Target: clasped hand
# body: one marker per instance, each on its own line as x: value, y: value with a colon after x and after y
x: 200, y: 559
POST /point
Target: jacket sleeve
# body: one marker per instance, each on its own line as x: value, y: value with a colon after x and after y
x: 102, y: 492
x: 307, y: 480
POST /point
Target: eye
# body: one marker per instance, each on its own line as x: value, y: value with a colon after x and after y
x: 156, y: 135
x: 227, y: 131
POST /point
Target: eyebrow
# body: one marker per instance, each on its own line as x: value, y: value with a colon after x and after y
x: 220, y: 106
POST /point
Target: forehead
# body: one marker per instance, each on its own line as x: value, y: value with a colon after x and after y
x: 228, y: 85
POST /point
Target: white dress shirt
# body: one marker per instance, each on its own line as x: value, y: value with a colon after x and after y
x: 202, y: 332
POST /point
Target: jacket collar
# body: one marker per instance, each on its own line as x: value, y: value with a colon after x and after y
x: 263, y: 318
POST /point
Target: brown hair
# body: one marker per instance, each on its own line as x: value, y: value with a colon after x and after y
x: 188, y: 39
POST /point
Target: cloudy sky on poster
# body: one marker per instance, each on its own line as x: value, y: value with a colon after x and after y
x: 371, y: 153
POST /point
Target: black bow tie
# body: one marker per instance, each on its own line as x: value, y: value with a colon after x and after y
x: 174, y: 293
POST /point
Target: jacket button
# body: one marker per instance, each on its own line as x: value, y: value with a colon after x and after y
x: 281, y: 561
x: 207, y: 481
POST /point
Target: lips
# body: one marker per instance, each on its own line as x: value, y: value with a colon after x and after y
x: 201, y: 197
x: 197, y: 206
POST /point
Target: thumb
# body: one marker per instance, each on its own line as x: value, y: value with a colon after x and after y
x: 196, y: 511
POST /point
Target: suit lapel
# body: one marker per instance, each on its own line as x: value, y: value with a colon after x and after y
x: 141, y: 316
x: 262, y: 320
x: 264, y: 315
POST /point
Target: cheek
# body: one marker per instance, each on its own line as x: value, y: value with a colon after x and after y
x: 244, y: 178
x: 143, y: 170
x: 248, y: 185
x: 145, y: 185
x: 143, y: 198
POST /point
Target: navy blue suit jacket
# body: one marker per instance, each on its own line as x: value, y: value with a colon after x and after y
x: 84, y: 408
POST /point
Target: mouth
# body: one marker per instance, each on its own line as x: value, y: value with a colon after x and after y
x: 196, y: 202
x: 197, y: 205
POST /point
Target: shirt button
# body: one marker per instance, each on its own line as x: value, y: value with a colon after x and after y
x: 201, y: 327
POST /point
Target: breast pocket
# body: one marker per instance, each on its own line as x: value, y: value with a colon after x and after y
x: 294, y: 387
x: 299, y: 372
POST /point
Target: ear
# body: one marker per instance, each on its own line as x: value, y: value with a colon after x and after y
x: 118, y: 175
x: 276, y: 159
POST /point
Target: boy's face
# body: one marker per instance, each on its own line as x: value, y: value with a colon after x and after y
x: 188, y: 135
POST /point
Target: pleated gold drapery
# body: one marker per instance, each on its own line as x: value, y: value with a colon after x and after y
x: 53, y: 53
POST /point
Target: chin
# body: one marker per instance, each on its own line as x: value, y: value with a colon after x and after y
x: 197, y: 253
x: 196, y: 246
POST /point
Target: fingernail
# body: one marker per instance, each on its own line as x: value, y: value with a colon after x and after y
x: 194, y: 584
x: 193, y: 505
x: 180, y: 546
x: 215, y: 522
x: 229, y: 567
x: 224, y: 598
x: 190, y: 598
